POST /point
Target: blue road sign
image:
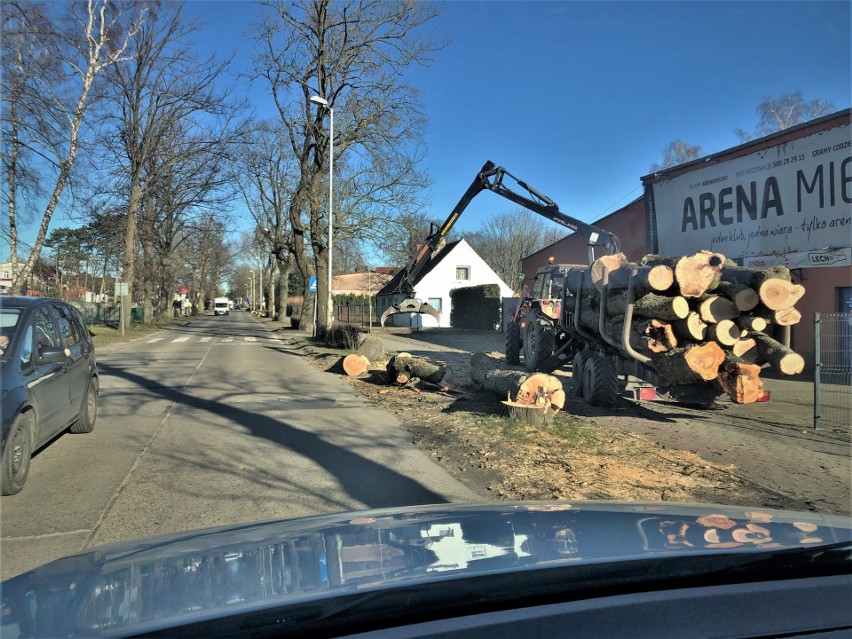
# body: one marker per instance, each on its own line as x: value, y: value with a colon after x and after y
x: 312, y: 284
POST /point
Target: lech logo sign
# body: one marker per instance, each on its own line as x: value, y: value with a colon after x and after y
x: 312, y: 284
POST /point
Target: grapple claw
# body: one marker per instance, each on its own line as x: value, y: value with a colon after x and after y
x: 411, y: 306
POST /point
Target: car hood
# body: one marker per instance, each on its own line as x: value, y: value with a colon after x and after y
x: 170, y: 581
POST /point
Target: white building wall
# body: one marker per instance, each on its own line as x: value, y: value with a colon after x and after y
x: 442, y: 279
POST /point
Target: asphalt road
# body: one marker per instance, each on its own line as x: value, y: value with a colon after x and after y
x: 209, y: 424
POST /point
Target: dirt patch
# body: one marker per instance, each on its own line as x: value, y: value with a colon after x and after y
x: 580, y: 456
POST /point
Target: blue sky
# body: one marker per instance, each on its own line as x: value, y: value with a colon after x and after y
x: 580, y: 98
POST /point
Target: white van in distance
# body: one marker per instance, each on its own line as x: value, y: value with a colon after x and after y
x: 221, y: 306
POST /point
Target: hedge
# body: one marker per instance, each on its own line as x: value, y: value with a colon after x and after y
x: 476, y: 307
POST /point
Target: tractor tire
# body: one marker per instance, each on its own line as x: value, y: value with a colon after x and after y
x: 539, y: 342
x: 15, y: 464
x: 577, y: 365
x: 513, y: 343
x: 600, y: 381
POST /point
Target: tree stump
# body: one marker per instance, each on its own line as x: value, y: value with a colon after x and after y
x: 519, y: 387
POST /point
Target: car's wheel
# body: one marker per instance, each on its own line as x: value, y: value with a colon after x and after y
x: 86, y: 421
x: 577, y: 365
x: 15, y: 466
x: 539, y: 342
x: 600, y: 382
x: 513, y: 343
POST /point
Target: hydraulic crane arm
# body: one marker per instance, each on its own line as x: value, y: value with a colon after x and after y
x: 491, y: 177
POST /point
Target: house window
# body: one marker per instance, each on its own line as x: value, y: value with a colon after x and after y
x: 7, y: 275
x: 463, y: 273
x: 435, y: 302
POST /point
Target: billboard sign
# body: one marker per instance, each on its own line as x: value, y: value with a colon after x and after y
x: 790, y: 198
x: 805, y: 259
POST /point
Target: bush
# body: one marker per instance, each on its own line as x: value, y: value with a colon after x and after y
x: 344, y: 336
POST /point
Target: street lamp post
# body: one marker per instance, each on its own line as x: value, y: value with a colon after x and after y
x: 324, y: 103
x: 253, y: 299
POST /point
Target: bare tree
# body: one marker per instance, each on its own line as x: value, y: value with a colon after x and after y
x: 352, y: 54
x: 783, y: 111
x: 266, y: 176
x: 677, y: 152
x: 90, y: 37
x: 174, y: 128
x: 504, y: 239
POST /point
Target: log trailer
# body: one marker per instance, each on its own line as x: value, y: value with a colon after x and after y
x: 584, y: 315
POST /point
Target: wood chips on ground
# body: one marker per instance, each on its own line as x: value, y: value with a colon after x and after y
x: 573, y: 458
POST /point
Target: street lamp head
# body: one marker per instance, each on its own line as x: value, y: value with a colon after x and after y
x: 318, y: 100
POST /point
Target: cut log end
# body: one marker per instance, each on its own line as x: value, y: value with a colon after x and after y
x: 355, y: 365
x: 777, y: 294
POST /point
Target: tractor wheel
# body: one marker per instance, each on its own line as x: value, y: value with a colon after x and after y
x: 600, y: 382
x: 577, y: 365
x: 539, y: 342
x: 513, y: 343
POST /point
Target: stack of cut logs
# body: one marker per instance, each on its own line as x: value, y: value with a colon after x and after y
x: 698, y: 318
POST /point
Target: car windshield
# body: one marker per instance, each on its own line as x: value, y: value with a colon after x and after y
x: 479, y: 253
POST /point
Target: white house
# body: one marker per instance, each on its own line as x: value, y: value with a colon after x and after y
x: 457, y: 265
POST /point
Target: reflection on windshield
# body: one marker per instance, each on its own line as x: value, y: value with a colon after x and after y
x: 224, y: 571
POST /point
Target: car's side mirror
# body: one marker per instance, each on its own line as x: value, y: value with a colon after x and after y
x: 53, y: 355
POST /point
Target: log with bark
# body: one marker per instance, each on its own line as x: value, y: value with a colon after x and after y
x: 745, y: 297
x: 783, y: 317
x: 752, y: 322
x: 691, y: 329
x: 690, y: 364
x: 403, y: 367
x: 694, y: 274
x: 746, y: 349
x: 606, y: 262
x: 538, y: 389
x: 651, y: 305
x: 652, y: 277
x: 740, y: 380
x: 714, y: 308
x: 658, y: 336
x: 781, y: 358
x: 725, y: 332
x: 373, y: 349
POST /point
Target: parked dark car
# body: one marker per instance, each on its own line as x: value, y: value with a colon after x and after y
x: 48, y: 377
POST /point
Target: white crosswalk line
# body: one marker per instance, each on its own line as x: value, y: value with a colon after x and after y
x: 250, y: 339
x: 205, y: 339
x: 180, y: 339
x: 228, y: 339
x: 156, y: 339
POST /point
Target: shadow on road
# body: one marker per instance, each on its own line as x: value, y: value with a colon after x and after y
x: 363, y: 479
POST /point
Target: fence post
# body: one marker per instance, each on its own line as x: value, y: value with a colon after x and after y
x: 817, y: 369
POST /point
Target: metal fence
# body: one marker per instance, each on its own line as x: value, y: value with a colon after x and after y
x: 360, y: 314
x: 833, y: 370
